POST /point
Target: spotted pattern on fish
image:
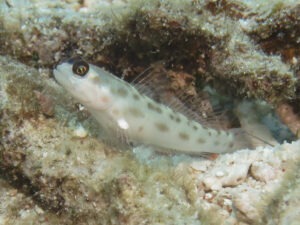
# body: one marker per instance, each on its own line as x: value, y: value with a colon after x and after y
x: 122, y: 92
x: 184, y: 136
x: 136, y: 96
x: 154, y: 107
x: 136, y: 112
x: 120, y: 106
x: 201, y: 141
x: 162, y: 127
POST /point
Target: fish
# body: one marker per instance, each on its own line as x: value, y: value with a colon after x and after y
x: 120, y: 107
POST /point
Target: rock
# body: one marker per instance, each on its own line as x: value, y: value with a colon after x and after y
x: 226, y: 176
x: 245, y: 205
x: 262, y: 171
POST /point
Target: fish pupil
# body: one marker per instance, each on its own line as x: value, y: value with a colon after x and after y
x: 80, y: 68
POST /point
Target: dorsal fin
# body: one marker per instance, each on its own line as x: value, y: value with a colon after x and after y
x: 177, y: 91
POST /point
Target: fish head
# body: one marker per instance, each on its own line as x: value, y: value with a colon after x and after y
x: 84, y: 82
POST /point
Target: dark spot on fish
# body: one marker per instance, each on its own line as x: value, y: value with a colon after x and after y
x: 122, y: 92
x: 162, y: 127
x: 158, y: 109
x: 136, y: 112
x: 201, y: 140
x: 136, y: 96
x: 172, y: 117
x: 177, y: 119
x: 154, y: 107
x: 183, y: 136
x: 195, y: 127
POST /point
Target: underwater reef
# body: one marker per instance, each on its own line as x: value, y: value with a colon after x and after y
x: 54, y: 169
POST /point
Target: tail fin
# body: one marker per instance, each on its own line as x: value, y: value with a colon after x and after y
x: 253, y: 132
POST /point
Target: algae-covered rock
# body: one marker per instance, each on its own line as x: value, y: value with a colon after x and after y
x: 72, y: 178
x: 213, y: 42
x: 55, y: 169
x: 79, y: 178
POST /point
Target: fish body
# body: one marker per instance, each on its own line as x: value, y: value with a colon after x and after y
x: 120, y: 107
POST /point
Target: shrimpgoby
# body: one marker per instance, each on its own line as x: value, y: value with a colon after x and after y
x: 119, y: 106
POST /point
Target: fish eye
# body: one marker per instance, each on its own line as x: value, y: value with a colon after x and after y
x: 80, y: 68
